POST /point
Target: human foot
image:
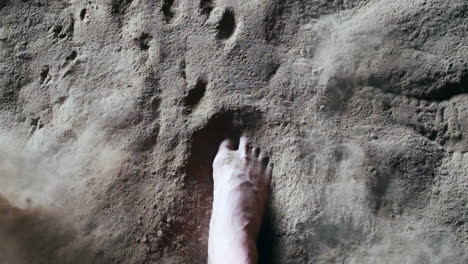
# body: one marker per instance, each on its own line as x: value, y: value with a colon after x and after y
x: 241, y: 186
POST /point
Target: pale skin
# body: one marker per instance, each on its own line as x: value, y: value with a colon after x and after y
x: 242, y: 180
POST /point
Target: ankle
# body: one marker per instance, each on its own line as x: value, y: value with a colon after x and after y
x: 237, y: 250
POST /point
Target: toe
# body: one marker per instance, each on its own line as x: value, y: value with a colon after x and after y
x: 255, y: 152
x: 244, y: 145
x: 226, y: 145
x: 268, y: 173
x: 264, y: 161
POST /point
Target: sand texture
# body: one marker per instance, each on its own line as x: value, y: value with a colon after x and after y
x: 111, y: 112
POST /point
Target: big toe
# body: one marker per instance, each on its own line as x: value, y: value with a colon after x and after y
x: 244, y: 146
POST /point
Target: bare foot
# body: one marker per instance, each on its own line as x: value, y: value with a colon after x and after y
x: 241, y: 186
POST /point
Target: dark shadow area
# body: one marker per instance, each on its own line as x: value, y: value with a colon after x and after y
x: 83, y: 14
x: 444, y: 91
x: 118, y: 7
x: 266, y: 238
x: 44, y: 73
x: 449, y: 90
x: 4, y: 3
x: 57, y: 29
x: 72, y: 55
x: 271, y: 70
x: 143, y: 41
x: 195, y: 94
x: 227, y: 25
x: 281, y: 13
x: 34, y: 237
x: 167, y: 10
x: 182, y: 69
x: 206, y: 7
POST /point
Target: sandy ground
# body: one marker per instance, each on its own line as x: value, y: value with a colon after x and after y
x: 111, y: 112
